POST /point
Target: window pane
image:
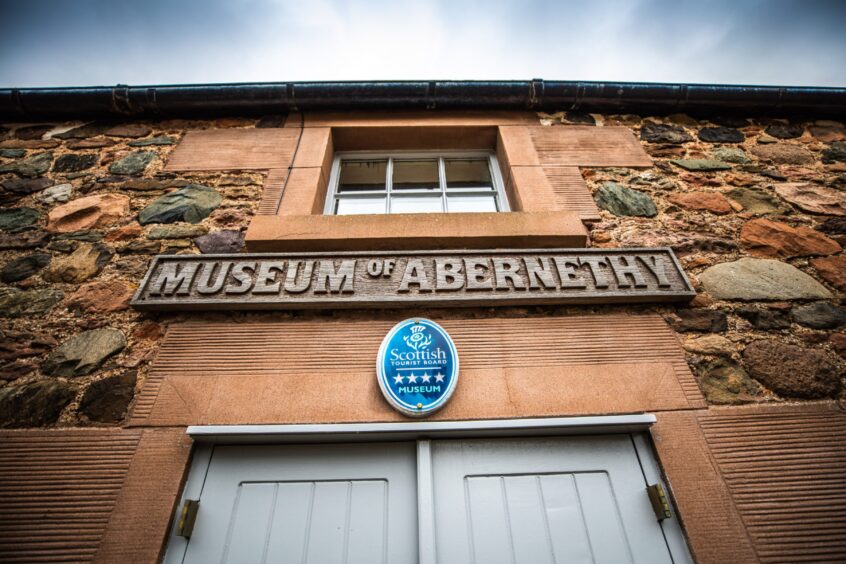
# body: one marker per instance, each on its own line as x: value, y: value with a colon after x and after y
x: 471, y: 203
x: 357, y: 176
x: 357, y: 206
x: 468, y: 173
x: 416, y: 204
x: 410, y: 175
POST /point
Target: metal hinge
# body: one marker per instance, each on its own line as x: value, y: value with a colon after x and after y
x: 659, y: 501
x: 187, y: 517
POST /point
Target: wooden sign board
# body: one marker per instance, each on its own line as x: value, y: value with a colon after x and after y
x: 424, y: 278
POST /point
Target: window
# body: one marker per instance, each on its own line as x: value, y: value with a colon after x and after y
x: 369, y: 183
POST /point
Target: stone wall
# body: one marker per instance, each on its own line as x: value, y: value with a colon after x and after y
x: 84, y: 207
x: 756, y: 209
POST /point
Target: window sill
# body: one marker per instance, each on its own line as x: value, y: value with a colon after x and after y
x: 416, y: 231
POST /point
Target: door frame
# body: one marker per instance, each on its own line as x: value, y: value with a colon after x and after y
x: 206, y: 437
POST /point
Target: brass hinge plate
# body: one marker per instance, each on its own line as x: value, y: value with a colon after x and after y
x: 659, y: 501
x: 187, y: 517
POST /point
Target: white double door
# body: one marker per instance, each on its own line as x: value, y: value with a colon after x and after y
x: 486, y: 501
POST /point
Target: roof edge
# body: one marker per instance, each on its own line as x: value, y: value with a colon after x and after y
x: 536, y: 94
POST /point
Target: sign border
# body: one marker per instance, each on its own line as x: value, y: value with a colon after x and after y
x: 396, y: 403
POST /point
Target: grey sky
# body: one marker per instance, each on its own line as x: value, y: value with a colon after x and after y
x: 104, y: 42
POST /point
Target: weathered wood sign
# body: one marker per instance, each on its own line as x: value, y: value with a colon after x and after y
x: 396, y: 279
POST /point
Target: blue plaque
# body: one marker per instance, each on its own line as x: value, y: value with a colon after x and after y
x: 417, y: 367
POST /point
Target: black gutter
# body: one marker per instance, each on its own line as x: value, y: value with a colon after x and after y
x: 281, y: 97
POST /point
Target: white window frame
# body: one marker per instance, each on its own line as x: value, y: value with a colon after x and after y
x: 332, y: 196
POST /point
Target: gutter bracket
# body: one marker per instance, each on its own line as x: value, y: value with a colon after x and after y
x: 536, y: 88
x: 120, y: 100
x: 430, y: 95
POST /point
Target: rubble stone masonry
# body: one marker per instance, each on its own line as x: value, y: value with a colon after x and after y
x: 754, y: 208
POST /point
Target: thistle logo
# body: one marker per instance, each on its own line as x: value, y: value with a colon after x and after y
x: 417, y: 367
x: 417, y: 340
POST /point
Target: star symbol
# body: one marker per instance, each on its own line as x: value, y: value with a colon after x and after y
x: 397, y: 379
x: 412, y: 379
x: 439, y: 377
x: 426, y: 378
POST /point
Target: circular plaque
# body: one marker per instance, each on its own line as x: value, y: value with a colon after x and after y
x: 417, y: 367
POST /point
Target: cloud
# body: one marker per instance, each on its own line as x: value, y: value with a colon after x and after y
x: 87, y: 42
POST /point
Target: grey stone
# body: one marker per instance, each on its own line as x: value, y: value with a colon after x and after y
x: 760, y: 279
x: 757, y: 200
x: 623, y: 201
x: 13, y: 219
x: 792, y: 371
x: 14, y: 189
x: 226, y: 241
x: 700, y: 320
x: 176, y: 232
x: 782, y: 131
x: 106, y: 400
x: 132, y: 164
x: 725, y: 382
x: 701, y: 165
x: 731, y: 155
x: 153, y: 141
x: 74, y: 163
x: 191, y: 204
x: 147, y: 184
x: 63, y: 246
x: 835, y: 153
x: 24, y: 267
x: 819, y: 315
x: 20, y: 303
x: 34, y: 404
x: 140, y: 247
x: 33, y: 166
x: 56, y: 194
x: 85, y: 131
x: 763, y: 319
x: 32, y: 132
x: 773, y: 173
x: 84, y: 353
x: 12, y: 153
x: 662, y: 133
x: 85, y: 235
x: 720, y: 134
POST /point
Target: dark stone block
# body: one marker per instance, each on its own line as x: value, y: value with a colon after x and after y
x: 74, y: 163
x: 781, y: 131
x: 701, y: 320
x: 24, y: 267
x: 720, y: 135
x: 819, y: 315
x: 763, y: 319
x: 661, y: 133
x: 106, y: 400
x: 34, y: 404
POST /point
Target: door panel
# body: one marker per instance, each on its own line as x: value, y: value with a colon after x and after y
x: 551, y: 500
x: 532, y: 500
x: 308, y: 504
